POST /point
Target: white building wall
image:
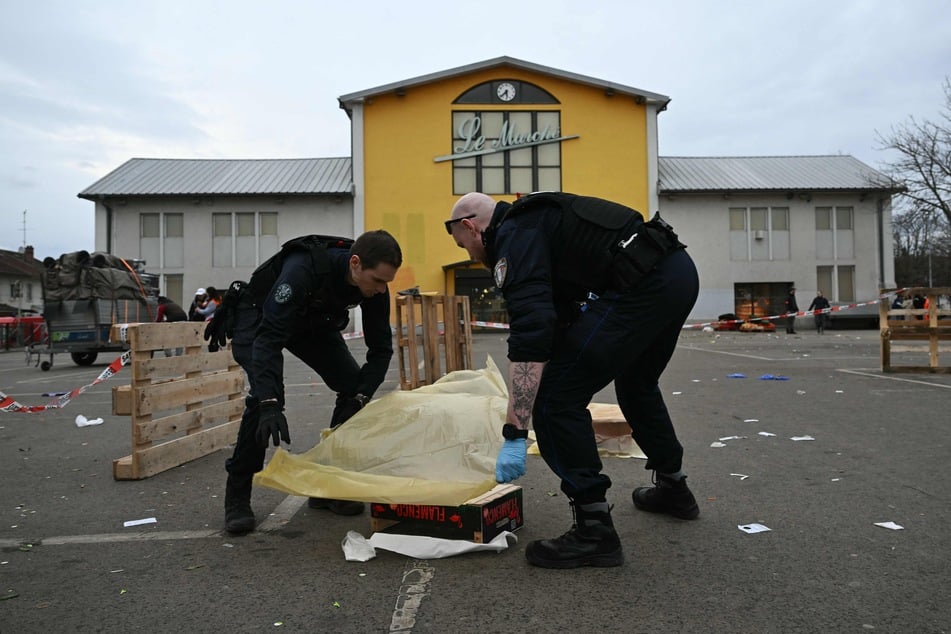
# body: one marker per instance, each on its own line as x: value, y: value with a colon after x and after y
x: 296, y: 216
x: 703, y: 224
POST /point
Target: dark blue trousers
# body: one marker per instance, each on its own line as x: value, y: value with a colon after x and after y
x: 626, y: 338
x: 324, y: 351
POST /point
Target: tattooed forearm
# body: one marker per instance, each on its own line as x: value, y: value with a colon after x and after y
x: 524, y: 377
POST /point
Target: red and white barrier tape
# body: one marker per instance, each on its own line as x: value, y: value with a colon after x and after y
x: 8, y: 404
x: 801, y: 313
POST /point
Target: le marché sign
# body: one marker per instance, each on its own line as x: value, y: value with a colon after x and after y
x: 510, y: 138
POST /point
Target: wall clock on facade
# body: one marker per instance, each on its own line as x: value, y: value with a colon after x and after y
x: 506, y: 91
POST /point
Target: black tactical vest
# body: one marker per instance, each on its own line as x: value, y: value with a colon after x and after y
x: 264, y: 277
x: 584, y: 245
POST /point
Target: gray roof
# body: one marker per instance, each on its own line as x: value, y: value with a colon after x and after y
x: 190, y: 177
x: 503, y: 62
x: 698, y: 174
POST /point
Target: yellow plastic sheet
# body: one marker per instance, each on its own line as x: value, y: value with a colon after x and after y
x: 436, y: 444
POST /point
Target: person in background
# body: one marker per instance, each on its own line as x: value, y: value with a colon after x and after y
x: 819, y: 303
x: 300, y: 300
x: 900, y: 303
x: 170, y: 311
x: 919, y: 302
x: 791, y: 309
x: 199, y: 303
x: 212, y: 301
x: 594, y: 295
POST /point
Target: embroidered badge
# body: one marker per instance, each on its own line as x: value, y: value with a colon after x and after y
x: 501, y: 267
x: 282, y: 294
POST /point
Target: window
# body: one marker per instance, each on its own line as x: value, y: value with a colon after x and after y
x: 738, y: 219
x: 243, y: 239
x: 173, y: 242
x: 162, y: 240
x: 834, y: 236
x: 843, y: 288
x: 846, y: 289
x: 174, y: 288
x: 843, y: 218
x: 780, y: 218
x: 490, y: 168
x: 150, y: 225
x: 759, y: 233
x: 824, y: 281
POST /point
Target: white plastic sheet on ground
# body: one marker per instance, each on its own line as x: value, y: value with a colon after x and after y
x: 436, y: 444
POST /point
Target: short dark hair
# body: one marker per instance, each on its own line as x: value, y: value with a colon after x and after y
x: 374, y: 247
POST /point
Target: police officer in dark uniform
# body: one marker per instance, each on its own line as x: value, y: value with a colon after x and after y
x: 300, y: 301
x: 594, y: 294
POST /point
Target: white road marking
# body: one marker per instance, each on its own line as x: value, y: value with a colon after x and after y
x: 275, y: 521
x: 871, y: 373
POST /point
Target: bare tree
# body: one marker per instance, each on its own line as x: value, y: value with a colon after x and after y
x: 924, y: 162
x: 922, y: 247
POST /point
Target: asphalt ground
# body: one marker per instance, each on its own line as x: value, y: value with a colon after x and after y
x: 879, y: 454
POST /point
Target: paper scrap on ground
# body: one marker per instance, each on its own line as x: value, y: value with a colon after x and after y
x: 147, y: 520
x: 750, y: 420
x: 732, y: 437
x: 82, y: 421
x: 892, y: 525
x: 740, y: 476
x: 798, y: 438
x: 736, y: 375
x: 750, y: 529
x: 718, y: 444
x: 436, y: 444
x: 358, y: 548
x: 766, y: 433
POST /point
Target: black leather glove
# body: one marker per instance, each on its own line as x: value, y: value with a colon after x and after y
x: 215, y: 331
x: 346, y: 407
x: 272, y: 424
x: 220, y: 327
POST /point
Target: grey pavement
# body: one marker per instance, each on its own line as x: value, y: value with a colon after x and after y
x: 879, y: 454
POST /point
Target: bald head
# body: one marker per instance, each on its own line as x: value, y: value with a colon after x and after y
x: 470, y: 216
x: 475, y: 204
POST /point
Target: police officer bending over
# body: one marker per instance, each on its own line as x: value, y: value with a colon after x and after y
x: 594, y: 294
x: 300, y: 300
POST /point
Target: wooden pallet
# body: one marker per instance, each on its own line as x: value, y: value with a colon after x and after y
x: 182, y: 407
x: 433, y: 331
x: 929, y: 326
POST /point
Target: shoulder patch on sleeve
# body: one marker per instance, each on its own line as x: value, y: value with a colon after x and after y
x: 501, y: 268
x: 282, y: 294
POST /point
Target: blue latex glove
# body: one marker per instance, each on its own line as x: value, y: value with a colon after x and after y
x: 511, y: 462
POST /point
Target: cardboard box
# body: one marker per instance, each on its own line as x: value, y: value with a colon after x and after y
x: 478, y: 520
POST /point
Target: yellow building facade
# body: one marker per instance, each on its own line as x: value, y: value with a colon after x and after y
x: 502, y: 127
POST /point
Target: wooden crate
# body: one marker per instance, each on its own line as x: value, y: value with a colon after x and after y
x: 432, y: 331
x: 182, y: 407
x: 923, y: 329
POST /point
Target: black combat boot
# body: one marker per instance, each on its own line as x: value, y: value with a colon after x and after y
x: 239, y: 519
x: 591, y: 541
x: 667, y: 496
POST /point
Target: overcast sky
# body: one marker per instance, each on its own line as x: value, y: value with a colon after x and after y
x: 84, y: 86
